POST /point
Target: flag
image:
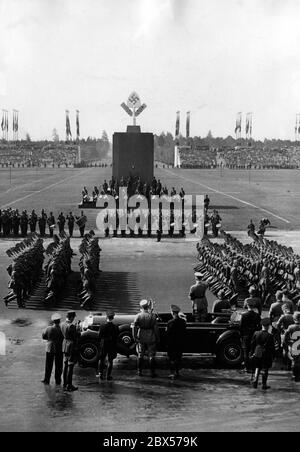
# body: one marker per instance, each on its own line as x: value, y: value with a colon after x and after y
x: 6, y: 121
x: 188, y: 120
x: 236, y: 126
x: 247, y: 124
x: 177, y: 124
x: 3, y: 123
x: 17, y: 122
x: 68, y: 127
x: 77, y: 124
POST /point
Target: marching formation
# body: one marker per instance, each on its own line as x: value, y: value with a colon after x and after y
x: 89, y: 268
x: 25, y: 270
x: 57, y: 268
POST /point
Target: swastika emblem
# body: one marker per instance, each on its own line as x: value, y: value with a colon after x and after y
x: 134, y: 107
x: 134, y: 100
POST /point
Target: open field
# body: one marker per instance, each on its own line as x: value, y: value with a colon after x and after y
x: 238, y: 195
x: 205, y: 398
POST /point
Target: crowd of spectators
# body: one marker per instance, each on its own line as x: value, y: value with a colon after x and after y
x: 35, y: 154
x: 259, y: 158
x: 198, y: 158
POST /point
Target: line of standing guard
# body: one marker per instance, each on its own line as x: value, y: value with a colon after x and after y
x: 16, y: 224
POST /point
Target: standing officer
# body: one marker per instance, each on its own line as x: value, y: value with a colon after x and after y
x: 42, y: 223
x: 175, y: 332
x: 51, y: 224
x: 250, y: 323
x: 81, y: 221
x: 32, y: 222
x: 71, y: 222
x: 198, y: 298
x: 71, y: 335
x: 292, y: 341
x: 255, y: 299
x: 24, y: 223
x: 61, y: 221
x: 146, y: 336
x: 263, y: 352
x: 276, y: 308
x: 54, y: 338
x: 108, y: 337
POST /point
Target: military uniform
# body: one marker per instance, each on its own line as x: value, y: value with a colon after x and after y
x: 263, y: 352
x: 198, y: 297
x: 146, y: 335
x: 292, y: 341
x: 54, y: 337
x: 175, y: 336
x: 70, y: 349
x: 250, y: 323
x: 108, y: 338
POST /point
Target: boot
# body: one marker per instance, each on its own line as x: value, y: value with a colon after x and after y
x: 65, y: 375
x: 256, y: 379
x: 152, y: 367
x: 140, y: 367
x: 264, y: 382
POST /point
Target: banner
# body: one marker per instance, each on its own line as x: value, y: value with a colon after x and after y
x: 188, y: 120
x: 68, y: 127
x: 177, y: 124
x: 247, y: 124
x: 77, y: 125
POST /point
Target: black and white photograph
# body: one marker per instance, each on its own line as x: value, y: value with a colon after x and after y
x: 149, y: 219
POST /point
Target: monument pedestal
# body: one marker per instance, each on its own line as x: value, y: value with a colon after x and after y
x: 133, y: 154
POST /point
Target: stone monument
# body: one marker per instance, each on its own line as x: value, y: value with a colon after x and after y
x: 133, y: 151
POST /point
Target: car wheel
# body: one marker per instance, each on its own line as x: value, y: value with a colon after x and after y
x: 126, y: 345
x: 230, y: 353
x: 88, y: 354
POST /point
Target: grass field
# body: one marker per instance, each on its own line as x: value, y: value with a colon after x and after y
x: 238, y: 195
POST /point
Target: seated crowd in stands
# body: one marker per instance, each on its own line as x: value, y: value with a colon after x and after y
x: 259, y: 158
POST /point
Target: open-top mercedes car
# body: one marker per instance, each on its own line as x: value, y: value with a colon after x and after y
x: 218, y: 336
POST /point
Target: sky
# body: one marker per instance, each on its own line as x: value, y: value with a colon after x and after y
x: 211, y: 57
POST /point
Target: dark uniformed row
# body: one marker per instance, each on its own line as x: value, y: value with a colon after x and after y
x: 263, y: 266
x: 26, y: 269
x: 58, y: 268
x: 89, y: 268
x: 14, y: 223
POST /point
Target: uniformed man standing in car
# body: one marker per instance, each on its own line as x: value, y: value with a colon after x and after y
x: 198, y: 298
x: 175, y: 332
x: 71, y: 335
x: 54, y: 337
x: 146, y: 336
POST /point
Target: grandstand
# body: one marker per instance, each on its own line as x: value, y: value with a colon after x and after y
x: 198, y: 157
x: 260, y: 157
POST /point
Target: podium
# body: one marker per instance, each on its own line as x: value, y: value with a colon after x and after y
x: 133, y: 154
